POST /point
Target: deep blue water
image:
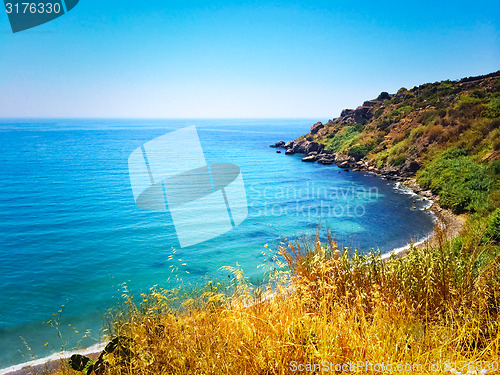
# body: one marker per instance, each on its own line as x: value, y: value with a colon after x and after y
x: 71, y: 234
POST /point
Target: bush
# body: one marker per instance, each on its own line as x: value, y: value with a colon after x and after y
x: 493, y: 229
x: 428, y: 117
x: 343, y: 139
x: 359, y: 151
x: 469, y: 107
x: 493, y: 108
x: 398, y: 160
x: 462, y: 184
x: 496, y: 166
x: 453, y: 153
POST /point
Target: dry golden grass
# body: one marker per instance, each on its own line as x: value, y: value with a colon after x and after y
x: 436, y: 305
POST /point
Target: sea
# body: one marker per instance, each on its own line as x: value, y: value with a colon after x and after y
x: 72, y: 236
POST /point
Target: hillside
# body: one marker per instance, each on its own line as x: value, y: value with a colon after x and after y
x: 450, y: 126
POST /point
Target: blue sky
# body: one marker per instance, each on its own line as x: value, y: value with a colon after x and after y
x: 239, y: 59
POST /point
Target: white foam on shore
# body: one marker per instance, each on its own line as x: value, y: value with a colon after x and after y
x: 398, y: 186
x: 53, y: 357
x: 403, y: 248
x: 430, y: 202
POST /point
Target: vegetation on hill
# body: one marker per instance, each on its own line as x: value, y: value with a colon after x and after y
x: 447, y: 133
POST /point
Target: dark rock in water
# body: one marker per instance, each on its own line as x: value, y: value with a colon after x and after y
x: 344, y: 164
x: 289, y: 152
x: 314, y: 146
x: 309, y: 159
x: 278, y: 152
x: 317, y: 127
x: 346, y: 170
x: 289, y: 144
x: 388, y: 171
x: 326, y: 161
x: 300, y: 147
x: 280, y: 144
x: 305, y: 147
x: 313, y: 153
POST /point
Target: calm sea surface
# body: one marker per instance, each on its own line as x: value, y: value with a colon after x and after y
x: 71, y: 234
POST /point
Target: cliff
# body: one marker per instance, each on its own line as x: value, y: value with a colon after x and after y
x: 446, y: 133
x: 398, y: 133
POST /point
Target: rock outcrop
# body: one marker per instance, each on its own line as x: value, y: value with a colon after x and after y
x: 316, y: 128
x: 280, y: 144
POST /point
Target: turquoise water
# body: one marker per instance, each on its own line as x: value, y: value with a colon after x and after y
x: 71, y: 234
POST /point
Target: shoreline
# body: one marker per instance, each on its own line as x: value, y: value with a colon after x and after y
x: 452, y: 225
x: 52, y: 362
x: 403, y: 176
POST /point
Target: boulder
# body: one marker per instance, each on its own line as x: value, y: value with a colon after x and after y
x: 388, y: 171
x: 326, y: 159
x: 289, y: 144
x: 289, y: 152
x: 323, y: 132
x: 356, y: 116
x: 313, y: 146
x: 409, y: 168
x: 317, y: 127
x: 280, y: 144
x: 346, y: 112
x: 309, y: 159
x: 305, y: 147
x: 345, y: 161
x: 300, y: 147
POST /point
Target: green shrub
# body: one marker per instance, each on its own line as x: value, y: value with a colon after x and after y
x: 343, y: 139
x: 493, y: 229
x: 398, y: 160
x: 453, y: 153
x: 428, y: 117
x: 462, y: 184
x: 469, y: 107
x: 359, y: 151
x: 493, y: 108
x: 496, y: 166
